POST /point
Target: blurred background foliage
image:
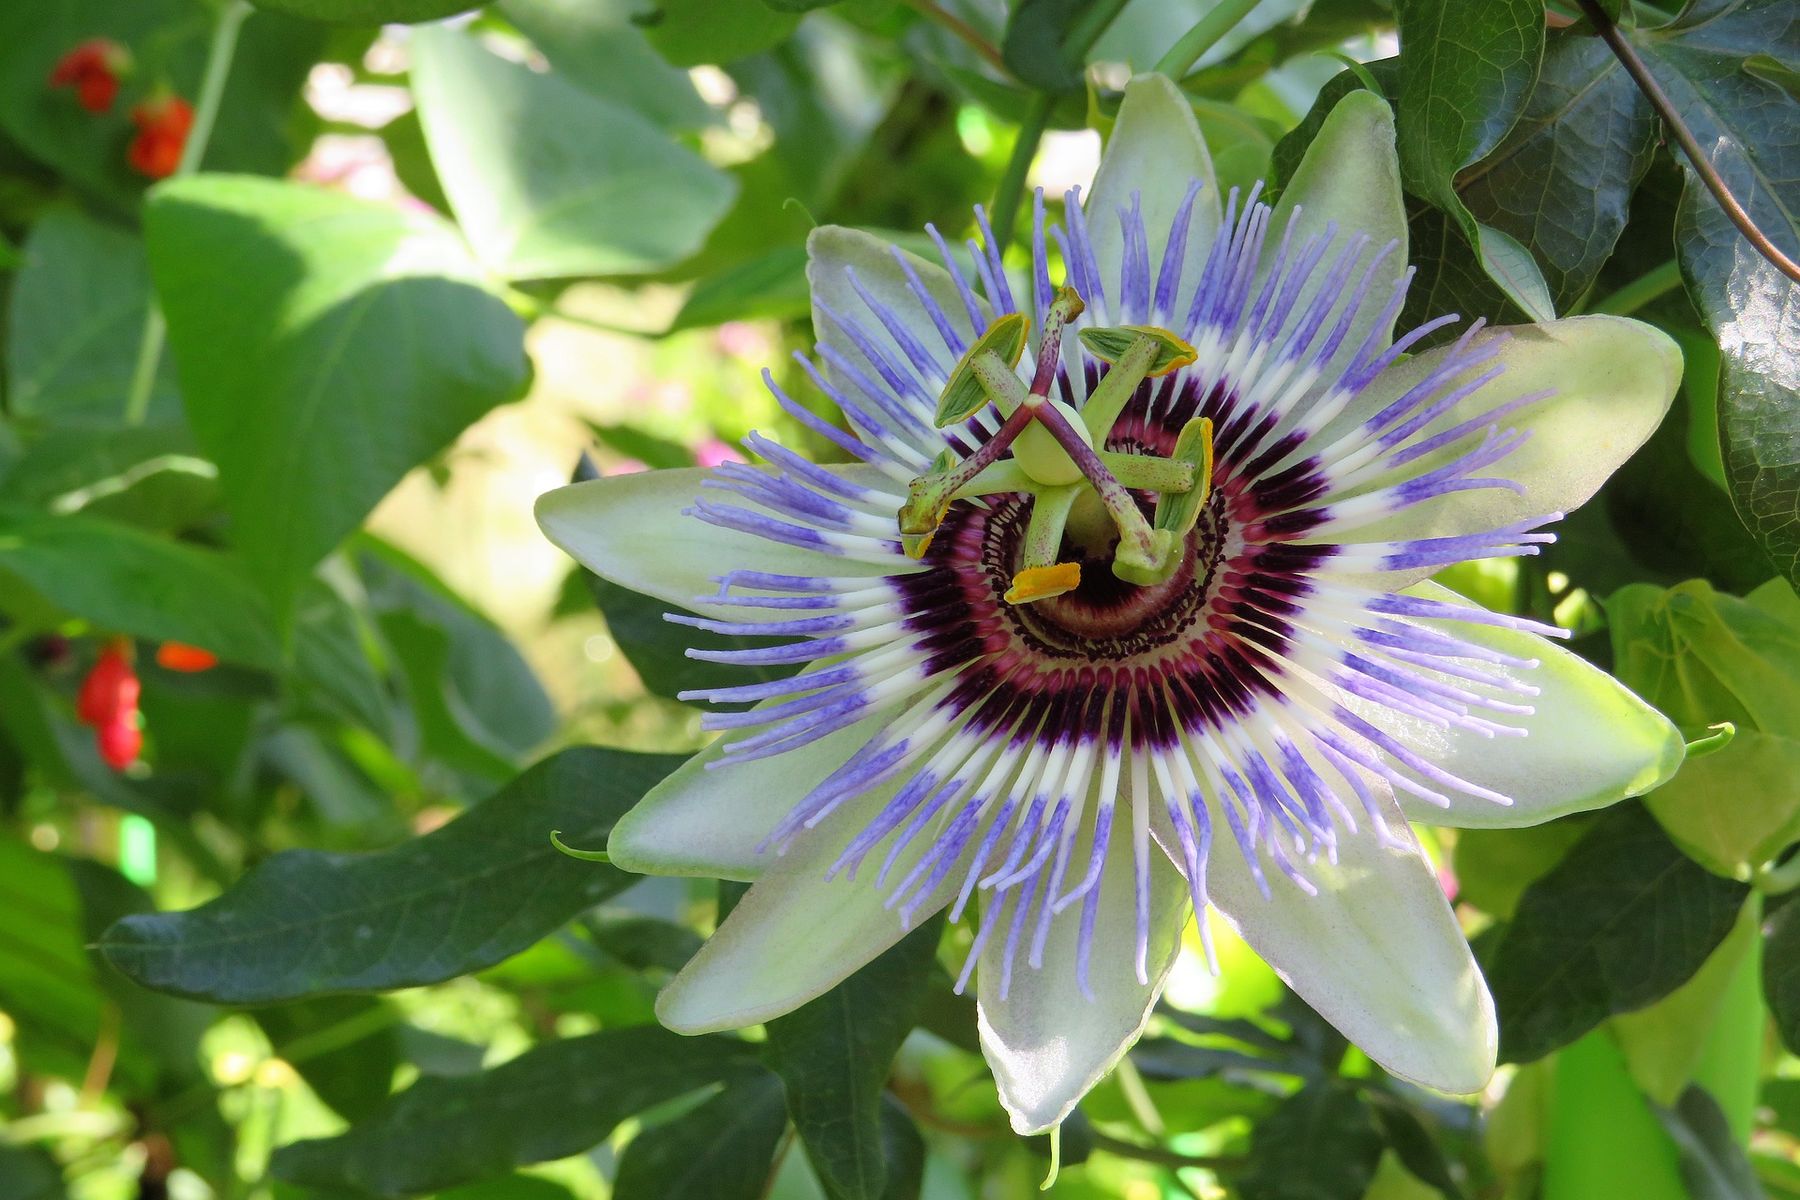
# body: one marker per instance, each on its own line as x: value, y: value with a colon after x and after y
x: 306, y: 302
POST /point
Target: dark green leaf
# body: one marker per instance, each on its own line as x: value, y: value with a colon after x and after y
x: 464, y: 897
x: 131, y: 582
x: 596, y: 46
x: 1781, y: 973
x: 76, y: 317
x: 550, y: 1102
x: 29, y: 1173
x: 721, y: 1150
x: 1623, y: 920
x: 834, y: 1055
x: 1713, y: 1163
x: 360, y: 329
x: 1750, y: 126
x: 1413, y: 1143
x: 150, y: 476
x: 799, y: 6
x: 1559, y: 183
x: 657, y: 649
x: 549, y: 180
x: 1169, y: 1058
x: 904, y: 1148
x: 370, y: 12
x: 1036, y: 43
x: 771, y: 286
x: 691, y: 32
x: 1285, y: 159
x: 511, y: 1187
x: 1319, y: 1144
x: 1466, y: 69
x: 347, y: 1048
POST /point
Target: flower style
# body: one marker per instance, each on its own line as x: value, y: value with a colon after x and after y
x: 1138, y: 625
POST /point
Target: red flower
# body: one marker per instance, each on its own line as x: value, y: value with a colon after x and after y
x: 93, y: 69
x: 120, y: 742
x: 110, y: 690
x: 163, y: 123
x: 179, y: 656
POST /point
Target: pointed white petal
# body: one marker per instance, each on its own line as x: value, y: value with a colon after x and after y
x: 1612, y: 379
x: 631, y: 529
x: 794, y: 936
x: 1377, y: 952
x: 1350, y: 179
x: 1155, y: 150
x: 709, y: 821
x: 1590, y: 742
x: 1046, y: 1042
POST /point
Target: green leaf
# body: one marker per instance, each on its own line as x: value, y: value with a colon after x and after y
x: 691, y: 32
x: 594, y: 45
x: 1663, y: 1044
x: 347, y: 1048
x: 74, y: 323
x: 1466, y: 70
x: 770, y: 286
x: 461, y: 898
x: 1412, y: 1142
x: 370, y: 12
x: 1035, y: 46
x: 29, y: 1173
x: 550, y: 1102
x: 1560, y: 181
x: 1713, y: 1165
x: 834, y: 1055
x: 1750, y: 126
x: 360, y: 329
x: 551, y: 181
x: 1781, y: 971
x: 1495, y: 866
x: 126, y: 581
x: 721, y: 1150
x: 1321, y: 1143
x: 1623, y: 920
x: 150, y: 476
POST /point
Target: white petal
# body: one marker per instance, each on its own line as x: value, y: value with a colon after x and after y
x: 709, y: 821
x: 1350, y: 178
x: 1155, y: 150
x: 1377, y: 952
x: 794, y: 936
x: 1612, y: 379
x: 837, y: 258
x: 1589, y: 742
x: 1046, y: 1042
x: 631, y: 529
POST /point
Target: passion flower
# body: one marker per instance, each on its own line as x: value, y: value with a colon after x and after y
x: 1119, y: 612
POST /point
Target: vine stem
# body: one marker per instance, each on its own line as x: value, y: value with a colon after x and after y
x: 1684, y: 137
x: 1640, y: 291
x: 969, y: 35
x: 1203, y: 37
x: 1012, y: 183
x: 206, y: 112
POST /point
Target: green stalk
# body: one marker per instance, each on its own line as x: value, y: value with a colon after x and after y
x: 1203, y: 37
x: 1012, y: 183
x: 206, y: 112
x: 1640, y: 291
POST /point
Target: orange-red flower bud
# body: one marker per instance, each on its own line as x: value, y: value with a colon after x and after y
x: 110, y: 690
x: 179, y: 656
x: 93, y: 69
x: 163, y: 123
x: 120, y: 741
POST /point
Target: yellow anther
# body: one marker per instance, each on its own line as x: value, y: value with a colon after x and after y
x: 1041, y: 583
x: 1165, y: 351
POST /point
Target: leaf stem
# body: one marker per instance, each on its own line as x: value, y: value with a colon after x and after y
x: 206, y: 112
x: 1012, y: 183
x: 1640, y: 291
x: 1684, y: 137
x: 1203, y: 37
x: 967, y: 33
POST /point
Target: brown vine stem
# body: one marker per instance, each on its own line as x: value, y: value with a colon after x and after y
x: 1684, y: 137
x: 963, y: 30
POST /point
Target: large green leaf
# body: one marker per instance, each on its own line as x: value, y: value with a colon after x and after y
x: 464, y: 897
x: 1321, y: 1143
x: 691, y: 32
x: 1623, y: 920
x: 721, y: 1150
x: 549, y: 180
x: 550, y: 1102
x: 347, y: 1048
x: 29, y: 1173
x: 834, y: 1055
x: 370, y: 12
x: 1560, y: 181
x: 75, y: 320
x: 1781, y: 971
x: 150, y: 476
x: 326, y: 346
x: 1466, y: 70
x: 596, y: 45
x: 1749, y: 125
x: 1713, y: 1163
x: 127, y: 581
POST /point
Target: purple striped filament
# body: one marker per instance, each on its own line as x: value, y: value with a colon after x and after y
x: 1233, y: 708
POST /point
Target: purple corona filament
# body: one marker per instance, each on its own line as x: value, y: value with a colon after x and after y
x: 1224, y: 711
